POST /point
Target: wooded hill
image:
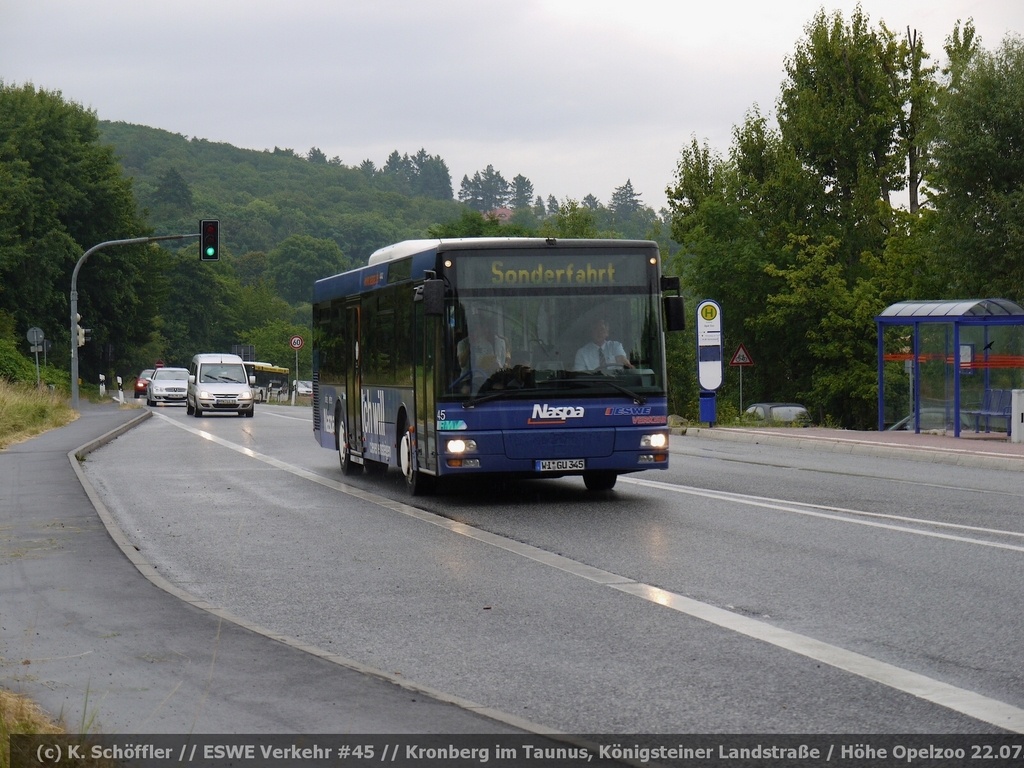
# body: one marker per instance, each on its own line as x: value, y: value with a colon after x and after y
x: 264, y: 197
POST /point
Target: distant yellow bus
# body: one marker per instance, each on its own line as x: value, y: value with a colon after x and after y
x: 271, y: 381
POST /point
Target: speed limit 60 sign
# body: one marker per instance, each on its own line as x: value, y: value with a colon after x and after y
x: 296, y: 342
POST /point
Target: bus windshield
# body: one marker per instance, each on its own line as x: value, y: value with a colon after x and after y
x: 539, y: 323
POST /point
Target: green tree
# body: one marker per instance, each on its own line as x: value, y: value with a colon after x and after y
x: 172, y: 194
x: 795, y: 234
x: 841, y: 111
x: 625, y: 202
x: 271, y: 341
x: 839, y: 374
x: 197, y: 313
x: 978, y: 178
x: 475, y: 224
x: 256, y: 305
x: 521, y: 193
x: 431, y: 177
x: 486, y: 191
x: 301, y: 260
x: 64, y: 192
x: 572, y: 220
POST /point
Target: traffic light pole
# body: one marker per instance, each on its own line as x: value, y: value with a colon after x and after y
x: 74, y: 300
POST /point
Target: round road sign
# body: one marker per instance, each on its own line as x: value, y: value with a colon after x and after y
x: 296, y: 342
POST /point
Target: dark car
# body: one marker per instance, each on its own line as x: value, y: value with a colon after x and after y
x: 142, y: 382
x: 778, y: 413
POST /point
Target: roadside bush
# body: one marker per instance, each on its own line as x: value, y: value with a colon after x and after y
x: 14, y: 366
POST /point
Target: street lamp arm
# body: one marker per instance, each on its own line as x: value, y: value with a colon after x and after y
x: 74, y: 298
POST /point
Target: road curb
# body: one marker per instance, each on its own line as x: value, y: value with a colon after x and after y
x: 864, y: 447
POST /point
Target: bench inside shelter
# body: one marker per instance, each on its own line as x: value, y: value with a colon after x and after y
x: 994, y: 405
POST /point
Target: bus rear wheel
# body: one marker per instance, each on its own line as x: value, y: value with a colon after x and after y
x: 599, y: 481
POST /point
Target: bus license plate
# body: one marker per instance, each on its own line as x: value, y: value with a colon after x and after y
x: 560, y: 465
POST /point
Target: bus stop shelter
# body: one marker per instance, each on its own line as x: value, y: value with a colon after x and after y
x: 948, y: 361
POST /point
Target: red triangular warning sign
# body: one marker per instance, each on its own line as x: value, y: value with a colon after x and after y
x: 741, y: 357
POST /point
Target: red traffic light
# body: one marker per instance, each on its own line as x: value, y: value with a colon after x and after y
x: 209, y: 240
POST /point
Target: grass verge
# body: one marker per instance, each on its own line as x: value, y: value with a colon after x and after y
x: 26, y: 411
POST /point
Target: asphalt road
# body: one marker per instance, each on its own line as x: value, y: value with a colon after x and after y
x: 751, y: 588
x: 105, y: 650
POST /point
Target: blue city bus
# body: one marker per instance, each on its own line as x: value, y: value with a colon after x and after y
x: 465, y: 357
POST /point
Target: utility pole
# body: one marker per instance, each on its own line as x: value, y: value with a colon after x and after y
x: 74, y: 300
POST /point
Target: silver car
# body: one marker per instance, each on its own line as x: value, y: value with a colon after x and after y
x: 778, y: 413
x: 167, y: 385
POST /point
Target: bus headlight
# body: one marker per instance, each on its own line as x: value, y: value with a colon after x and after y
x: 459, y: 445
x: 658, y: 440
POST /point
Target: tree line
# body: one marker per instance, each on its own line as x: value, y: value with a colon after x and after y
x: 797, y: 231
x: 882, y: 177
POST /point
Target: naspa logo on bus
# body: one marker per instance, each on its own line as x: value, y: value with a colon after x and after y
x: 547, y: 414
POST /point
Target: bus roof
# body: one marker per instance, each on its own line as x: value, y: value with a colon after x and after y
x: 423, y: 254
x: 412, y: 247
x: 255, y: 363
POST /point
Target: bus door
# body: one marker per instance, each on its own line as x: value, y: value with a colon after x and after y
x: 353, y: 379
x: 426, y: 354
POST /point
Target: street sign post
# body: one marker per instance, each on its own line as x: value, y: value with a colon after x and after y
x: 36, y: 339
x: 296, y: 343
x: 741, y: 359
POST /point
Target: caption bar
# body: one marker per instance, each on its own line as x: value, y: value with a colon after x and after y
x: 212, y: 751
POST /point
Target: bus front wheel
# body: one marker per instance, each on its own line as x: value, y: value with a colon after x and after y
x: 599, y: 481
x: 416, y: 482
x: 348, y: 467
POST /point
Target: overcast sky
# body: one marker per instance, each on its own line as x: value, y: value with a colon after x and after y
x: 579, y: 96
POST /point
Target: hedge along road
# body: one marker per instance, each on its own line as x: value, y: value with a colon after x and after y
x: 253, y: 517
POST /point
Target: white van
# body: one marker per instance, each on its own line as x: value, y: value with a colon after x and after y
x: 219, y: 383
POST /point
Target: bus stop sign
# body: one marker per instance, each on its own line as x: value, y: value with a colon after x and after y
x: 709, y: 345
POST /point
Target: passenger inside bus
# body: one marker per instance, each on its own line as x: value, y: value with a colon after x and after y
x: 601, y: 353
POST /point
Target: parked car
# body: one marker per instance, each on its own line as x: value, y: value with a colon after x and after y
x: 304, y: 388
x: 142, y: 382
x: 778, y: 413
x: 935, y: 419
x: 167, y: 385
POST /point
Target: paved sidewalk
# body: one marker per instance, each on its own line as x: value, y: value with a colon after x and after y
x: 103, y: 649
x: 992, y: 450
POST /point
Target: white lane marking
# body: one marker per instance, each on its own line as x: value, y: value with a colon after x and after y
x: 308, y: 419
x: 810, y: 510
x: 960, y: 700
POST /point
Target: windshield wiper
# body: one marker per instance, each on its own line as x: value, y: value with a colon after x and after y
x: 636, y: 397
x: 494, y: 394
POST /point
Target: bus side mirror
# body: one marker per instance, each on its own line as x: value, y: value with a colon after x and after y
x: 433, y: 297
x: 675, y: 313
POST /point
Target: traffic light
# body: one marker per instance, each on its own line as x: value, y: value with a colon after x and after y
x: 209, y: 240
x: 80, y: 330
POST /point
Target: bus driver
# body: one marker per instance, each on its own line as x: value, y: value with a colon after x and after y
x: 600, y: 352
